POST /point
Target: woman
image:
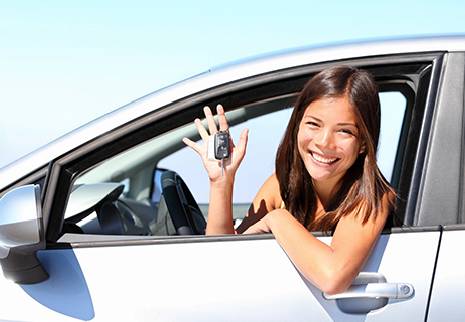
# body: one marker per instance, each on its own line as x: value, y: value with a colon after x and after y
x: 326, y: 179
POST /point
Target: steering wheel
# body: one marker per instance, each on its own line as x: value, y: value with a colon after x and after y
x: 184, y: 211
x: 115, y: 217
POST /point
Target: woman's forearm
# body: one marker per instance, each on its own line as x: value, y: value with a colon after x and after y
x: 220, y: 219
x: 314, y: 259
x: 330, y: 267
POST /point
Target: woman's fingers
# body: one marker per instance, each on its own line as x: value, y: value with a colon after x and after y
x: 212, y: 128
x: 222, y: 118
x: 210, y: 120
x: 242, y: 146
x: 203, y: 133
x: 193, y: 145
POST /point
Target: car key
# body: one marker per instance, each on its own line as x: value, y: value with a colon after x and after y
x: 221, y: 145
x: 219, y: 148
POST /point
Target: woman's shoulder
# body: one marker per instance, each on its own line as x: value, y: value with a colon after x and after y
x: 267, y: 199
x: 269, y: 194
x: 271, y: 188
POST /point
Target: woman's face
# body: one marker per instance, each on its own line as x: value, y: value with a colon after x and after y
x: 328, y: 139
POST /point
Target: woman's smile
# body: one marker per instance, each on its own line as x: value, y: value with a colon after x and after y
x: 322, y: 159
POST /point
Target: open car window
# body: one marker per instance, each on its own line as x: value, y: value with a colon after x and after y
x: 122, y: 195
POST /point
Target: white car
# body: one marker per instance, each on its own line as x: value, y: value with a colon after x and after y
x: 98, y: 225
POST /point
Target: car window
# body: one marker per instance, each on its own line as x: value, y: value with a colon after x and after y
x: 122, y: 195
x: 393, y: 107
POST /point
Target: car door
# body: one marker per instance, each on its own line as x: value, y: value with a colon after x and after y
x: 222, y: 278
x: 230, y: 278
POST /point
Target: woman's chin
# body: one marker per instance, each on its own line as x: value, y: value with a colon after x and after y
x: 319, y: 173
x: 320, y: 178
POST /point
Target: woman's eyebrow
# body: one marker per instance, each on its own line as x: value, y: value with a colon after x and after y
x: 348, y: 124
x: 338, y: 124
x: 312, y: 117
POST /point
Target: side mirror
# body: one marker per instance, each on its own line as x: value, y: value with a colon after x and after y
x: 21, y: 235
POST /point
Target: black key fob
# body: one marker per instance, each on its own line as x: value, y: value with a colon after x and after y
x: 221, y: 145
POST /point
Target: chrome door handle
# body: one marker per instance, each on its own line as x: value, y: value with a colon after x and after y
x: 370, y: 291
x: 375, y: 290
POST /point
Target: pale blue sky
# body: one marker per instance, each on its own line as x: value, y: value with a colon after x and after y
x: 64, y: 63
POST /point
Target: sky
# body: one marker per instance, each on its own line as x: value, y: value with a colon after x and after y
x: 64, y: 63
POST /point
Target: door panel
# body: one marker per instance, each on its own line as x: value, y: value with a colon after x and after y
x: 224, y: 280
x: 447, y: 297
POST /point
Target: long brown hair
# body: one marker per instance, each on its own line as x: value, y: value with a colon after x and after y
x: 363, y: 187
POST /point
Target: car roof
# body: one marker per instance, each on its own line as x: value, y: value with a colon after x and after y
x: 217, y: 76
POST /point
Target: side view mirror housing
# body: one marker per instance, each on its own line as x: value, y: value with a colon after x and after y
x: 22, y: 235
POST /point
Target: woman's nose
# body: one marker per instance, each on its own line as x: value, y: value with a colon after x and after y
x: 325, y: 139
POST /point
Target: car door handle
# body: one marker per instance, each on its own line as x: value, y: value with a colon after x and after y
x: 369, y: 291
x: 375, y: 290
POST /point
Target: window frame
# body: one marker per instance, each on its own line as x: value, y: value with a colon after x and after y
x: 232, y: 95
x: 440, y: 199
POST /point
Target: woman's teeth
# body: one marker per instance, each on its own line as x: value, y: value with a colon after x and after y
x: 322, y: 159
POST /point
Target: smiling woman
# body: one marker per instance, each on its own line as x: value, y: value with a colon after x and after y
x: 326, y: 179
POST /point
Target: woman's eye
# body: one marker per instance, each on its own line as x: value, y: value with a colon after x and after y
x: 312, y: 124
x: 346, y: 131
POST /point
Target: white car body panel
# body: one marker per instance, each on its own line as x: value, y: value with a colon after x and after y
x: 189, y: 282
x: 447, y: 298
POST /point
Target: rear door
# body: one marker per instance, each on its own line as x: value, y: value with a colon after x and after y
x: 449, y: 283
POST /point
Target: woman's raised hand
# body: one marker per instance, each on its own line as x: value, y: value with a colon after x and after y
x: 214, y: 167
